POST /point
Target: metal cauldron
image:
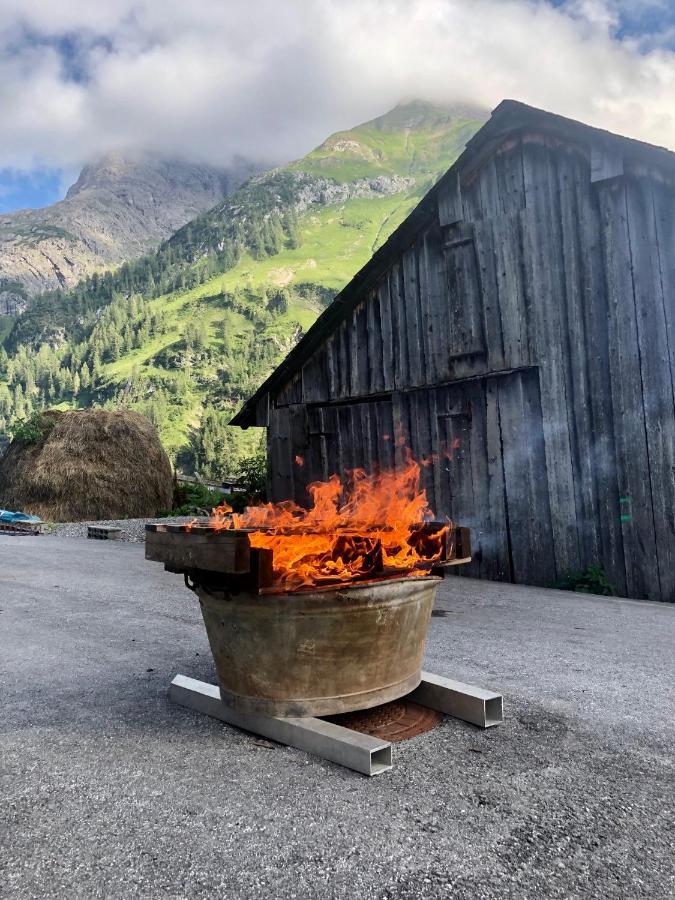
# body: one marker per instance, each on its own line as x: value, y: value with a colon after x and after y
x: 322, y: 652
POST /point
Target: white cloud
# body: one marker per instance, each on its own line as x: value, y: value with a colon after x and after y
x: 267, y: 79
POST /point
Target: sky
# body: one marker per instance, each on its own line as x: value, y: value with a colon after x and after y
x: 208, y: 80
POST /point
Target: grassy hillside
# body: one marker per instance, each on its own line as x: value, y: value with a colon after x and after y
x: 186, y: 334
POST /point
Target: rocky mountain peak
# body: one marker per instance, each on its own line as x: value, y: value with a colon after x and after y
x: 119, y: 208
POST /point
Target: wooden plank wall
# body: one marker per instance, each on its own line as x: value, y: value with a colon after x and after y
x: 524, y: 350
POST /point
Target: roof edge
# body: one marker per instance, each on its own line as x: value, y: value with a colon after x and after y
x: 507, y: 117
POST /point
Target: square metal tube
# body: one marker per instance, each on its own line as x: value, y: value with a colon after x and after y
x: 462, y: 701
x: 359, y: 752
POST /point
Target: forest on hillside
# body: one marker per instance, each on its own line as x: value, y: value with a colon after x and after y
x: 186, y: 333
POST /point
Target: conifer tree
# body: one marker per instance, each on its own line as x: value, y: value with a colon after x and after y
x: 85, y: 376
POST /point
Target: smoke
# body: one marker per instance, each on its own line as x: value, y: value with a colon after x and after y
x: 208, y: 80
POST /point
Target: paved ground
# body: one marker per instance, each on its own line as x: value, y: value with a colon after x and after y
x: 108, y: 791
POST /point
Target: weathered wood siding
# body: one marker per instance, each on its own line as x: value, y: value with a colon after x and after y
x: 523, y: 346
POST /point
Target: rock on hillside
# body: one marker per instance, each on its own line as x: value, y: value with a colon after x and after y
x: 118, y: 209
x: 402, y: 151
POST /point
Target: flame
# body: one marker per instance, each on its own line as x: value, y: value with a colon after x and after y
x: 370, y: 527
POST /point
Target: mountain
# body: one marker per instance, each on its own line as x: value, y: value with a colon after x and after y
x: 186, y: 333
x: 118, y: 209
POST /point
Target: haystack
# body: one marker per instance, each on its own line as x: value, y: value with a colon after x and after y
x: 88, y: 464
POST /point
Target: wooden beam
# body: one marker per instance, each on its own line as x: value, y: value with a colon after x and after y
x: 224, y: 551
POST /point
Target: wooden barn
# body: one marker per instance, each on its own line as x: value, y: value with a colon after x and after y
x: 517, y: 332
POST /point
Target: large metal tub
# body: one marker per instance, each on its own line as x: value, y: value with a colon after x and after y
x: 321, y: 652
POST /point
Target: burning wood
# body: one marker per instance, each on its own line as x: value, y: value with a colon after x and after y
x: 377, y: 526
x: 368, y: 528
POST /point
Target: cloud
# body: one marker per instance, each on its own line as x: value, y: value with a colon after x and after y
x: 208, y: 80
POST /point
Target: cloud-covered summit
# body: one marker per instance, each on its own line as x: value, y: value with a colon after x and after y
x: 209, y: 80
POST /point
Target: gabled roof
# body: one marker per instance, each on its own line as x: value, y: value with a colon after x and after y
x: 507, y: 119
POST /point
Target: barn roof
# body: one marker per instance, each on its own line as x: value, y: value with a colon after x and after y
x: 507, y: 119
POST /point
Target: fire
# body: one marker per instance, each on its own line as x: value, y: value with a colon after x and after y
x: 373, y: 526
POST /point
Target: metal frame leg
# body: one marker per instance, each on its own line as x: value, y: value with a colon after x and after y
x: 359, y: 752
x: 462, y: 701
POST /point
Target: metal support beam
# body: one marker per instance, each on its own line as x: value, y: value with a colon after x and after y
x: 462, y: 701
x: 359, y: 752
x: 351, y: 749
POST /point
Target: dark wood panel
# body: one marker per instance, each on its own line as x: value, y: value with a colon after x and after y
x: 510, y: 177
x: 298, y: 441
x: 315, y: 381
x: 400, y: 325
x: 373, y: 340
x: 413, y: 318
x: 470, y: 468
x: 489, y: 294
x: 344, y: 379
x: 541, y: 246
x: 664, y: 214
x: 383, y: 423
x: 458, y: 451
x: 600, y: 521
x: 495, y: 543
x: 434, y: 291
x: 291, y: 392
x: 331, y: 345
x: 505, y: 298
x: 576, y: 226
x: 388, y: 335
x: 450, y: 201
x: 529, y: 512
x: 488, y: 192
x: 637, y: 519
x: 466, y: 335
x: 361, y: 359
x: 279, y: 455
x: 656, y: 375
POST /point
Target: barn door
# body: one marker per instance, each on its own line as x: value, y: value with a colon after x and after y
x: 493, y: 473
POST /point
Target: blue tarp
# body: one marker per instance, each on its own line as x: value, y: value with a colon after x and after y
x: 7, y: 516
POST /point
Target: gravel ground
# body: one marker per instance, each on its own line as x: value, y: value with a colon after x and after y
x: 109, y: 791
x: 133, y: 530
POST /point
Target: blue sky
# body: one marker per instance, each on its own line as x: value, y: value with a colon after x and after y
x: 20, y: 190
x: 208, y: 80
x: 649, y: 19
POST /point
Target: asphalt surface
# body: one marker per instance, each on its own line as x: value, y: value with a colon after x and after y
x: 107, y: 790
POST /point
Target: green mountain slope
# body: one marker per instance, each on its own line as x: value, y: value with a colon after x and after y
x: 187, y: 333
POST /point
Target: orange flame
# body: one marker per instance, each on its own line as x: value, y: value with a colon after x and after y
x: 371, y: 527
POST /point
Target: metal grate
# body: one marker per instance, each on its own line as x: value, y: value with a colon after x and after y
x: 395, y: 721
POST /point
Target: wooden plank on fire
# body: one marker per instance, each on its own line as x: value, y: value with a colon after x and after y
x: 224, y: 550
x: 457, y: 551
x: 460, y: 539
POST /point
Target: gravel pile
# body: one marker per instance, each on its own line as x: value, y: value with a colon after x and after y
x: 132, y: 529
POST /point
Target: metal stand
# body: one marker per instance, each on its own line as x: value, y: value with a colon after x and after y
x: 356, y: 751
